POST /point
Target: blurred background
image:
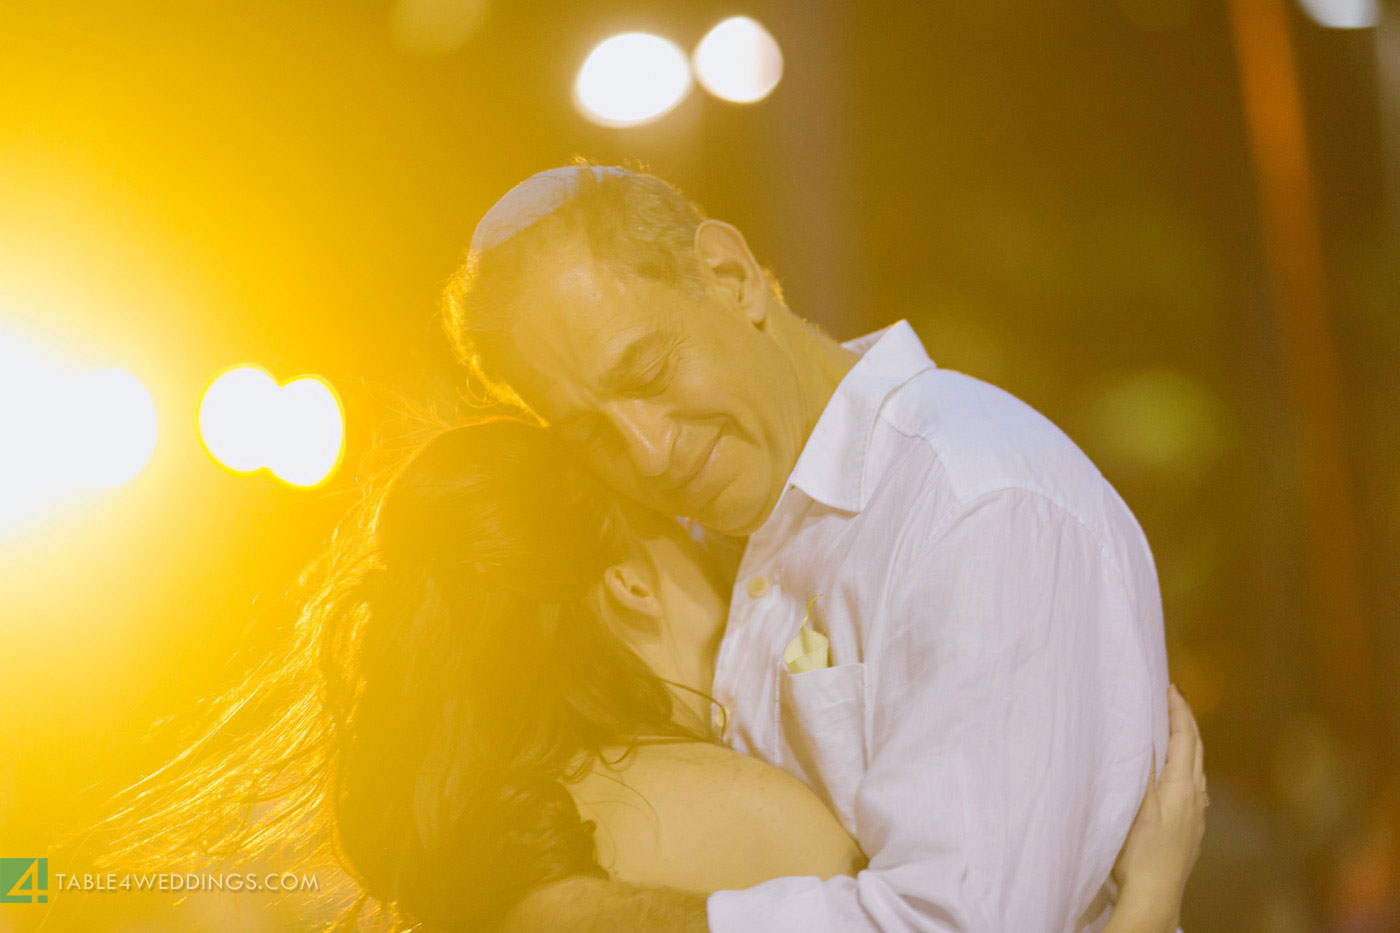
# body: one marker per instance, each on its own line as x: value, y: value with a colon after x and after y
x: 1173, y: 226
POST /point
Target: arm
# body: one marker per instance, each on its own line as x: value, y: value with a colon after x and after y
x: 1151, y: 870
x: 676, y: 822
x: 1011, y: 733
x: 699, y: 817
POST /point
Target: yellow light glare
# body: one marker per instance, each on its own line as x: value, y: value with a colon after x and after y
x: 118, y: 427
x: 65, y: 430
x: 234, y: 417
x: 739, y: 61
x: 631, y: 79
x: 296, y: 431
x: 310, y: 433
x: 30, y: 383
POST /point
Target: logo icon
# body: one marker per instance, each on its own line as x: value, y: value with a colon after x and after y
x: 24, y: 881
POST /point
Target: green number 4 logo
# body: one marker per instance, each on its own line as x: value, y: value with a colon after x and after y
x: 24, y: 881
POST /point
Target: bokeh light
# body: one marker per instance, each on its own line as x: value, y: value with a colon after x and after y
x: 296, y: 431
x: 117, y: 427
x: 631, y: 79
x: 1159, y: 421
x: 29, y: 383
x: 66, y: 430
x: 310, y: 432
x: 234, y: 415
x: 434, y: 27
x: 739, y: 61
x: 1343, y: 14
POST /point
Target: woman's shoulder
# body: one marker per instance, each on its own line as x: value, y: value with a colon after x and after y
x: 712, y: 778
x: 703, y: 818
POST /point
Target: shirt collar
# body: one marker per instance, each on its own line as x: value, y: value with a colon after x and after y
x: 831, y: 467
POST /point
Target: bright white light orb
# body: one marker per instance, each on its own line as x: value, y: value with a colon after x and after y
x: 234, y: 416
x: 309, y: 434
x: 296, y: 431
x: 118, y: 427
x: 65, y: 431
x: 1343, y: 14
x: 31, y: 383
x: 631, y: 79
x: 739, y: 61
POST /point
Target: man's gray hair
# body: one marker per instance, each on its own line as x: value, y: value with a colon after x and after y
x: 632, y: 223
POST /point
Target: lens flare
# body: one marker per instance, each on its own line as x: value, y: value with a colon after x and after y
x: 631, y: 79
x: 233, y: 417
x: 118, y: 427
x: 66, y: 430
x: 29, y: 384
x: 1343, y: 14
x: 309, y: 432
x: 739, y: 61
x: 296, y: 431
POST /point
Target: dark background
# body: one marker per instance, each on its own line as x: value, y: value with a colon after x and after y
x: 1070, y: 200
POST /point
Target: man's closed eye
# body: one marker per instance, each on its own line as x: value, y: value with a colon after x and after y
x: 654, y: 381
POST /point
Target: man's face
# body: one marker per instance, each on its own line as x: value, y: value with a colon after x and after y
x: 681, y: 402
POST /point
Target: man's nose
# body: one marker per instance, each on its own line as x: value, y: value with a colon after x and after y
x: 647, y: 435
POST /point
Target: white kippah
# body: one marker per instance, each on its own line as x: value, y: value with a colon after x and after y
x: 535, y: 197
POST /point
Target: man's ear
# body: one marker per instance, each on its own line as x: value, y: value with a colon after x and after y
x: 631, y: 595
x: 724, y: 251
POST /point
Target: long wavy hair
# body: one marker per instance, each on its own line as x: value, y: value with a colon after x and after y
x: 452, y: 668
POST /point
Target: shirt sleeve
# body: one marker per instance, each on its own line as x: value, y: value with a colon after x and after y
x: 1011, y: 726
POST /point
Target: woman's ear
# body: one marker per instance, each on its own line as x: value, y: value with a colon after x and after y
x: 631, y: 594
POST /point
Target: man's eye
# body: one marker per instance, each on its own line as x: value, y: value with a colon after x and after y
x: 655, y: 380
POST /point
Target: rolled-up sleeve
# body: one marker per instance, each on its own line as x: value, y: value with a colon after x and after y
x: 1010, y: 730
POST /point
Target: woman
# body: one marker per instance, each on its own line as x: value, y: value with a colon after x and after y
x: 501, y: 684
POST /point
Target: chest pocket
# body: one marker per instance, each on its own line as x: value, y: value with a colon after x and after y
x: 820, y: 717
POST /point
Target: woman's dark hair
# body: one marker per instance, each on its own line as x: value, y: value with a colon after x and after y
x: 452, y: 669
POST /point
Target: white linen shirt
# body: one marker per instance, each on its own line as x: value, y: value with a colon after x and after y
x: 998, y: 683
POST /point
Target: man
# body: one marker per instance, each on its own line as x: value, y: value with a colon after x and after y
x: 989, y: 691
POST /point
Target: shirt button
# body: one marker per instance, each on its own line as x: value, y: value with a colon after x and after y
x: 719, y: 718
x: 758, y: 586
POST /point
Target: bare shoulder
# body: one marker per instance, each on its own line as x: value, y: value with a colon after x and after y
x: 704, y: 818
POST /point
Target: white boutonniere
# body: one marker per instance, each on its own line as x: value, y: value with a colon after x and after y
x: 809, y: 651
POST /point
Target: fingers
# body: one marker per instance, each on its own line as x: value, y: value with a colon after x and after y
x: 1195, y: 730
x: 1183, y: 777
x: 1198, y: 773
x: 1183, y: 744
